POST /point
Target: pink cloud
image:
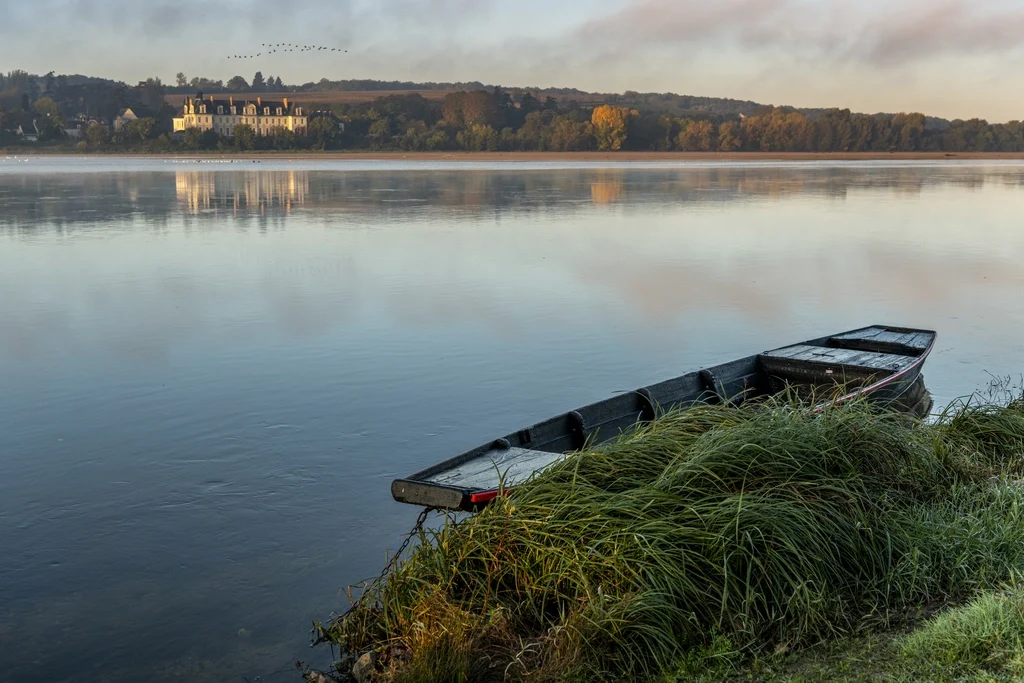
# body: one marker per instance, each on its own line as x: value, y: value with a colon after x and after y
x: 901, y: 31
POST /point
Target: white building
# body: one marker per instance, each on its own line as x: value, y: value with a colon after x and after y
x: 265, y: 118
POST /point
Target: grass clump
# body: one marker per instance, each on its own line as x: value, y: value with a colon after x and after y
x: 768, y: 527
x: 988, y: 633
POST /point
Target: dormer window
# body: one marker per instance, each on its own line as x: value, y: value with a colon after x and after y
x: 220, y: 109
x: 266, y: 111
x: 202, y: 109
x: 298, y: 111
x: 279, y: 111
x: 233, y: 110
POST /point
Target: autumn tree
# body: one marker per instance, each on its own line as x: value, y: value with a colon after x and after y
x: 533, y: 134
x: 568, y: 135
x: 610, y: 127
x: 910, y: 133
x: 729, y: 137
x: 698, y: 136
x: 478, y: 138
x: 786, y: 130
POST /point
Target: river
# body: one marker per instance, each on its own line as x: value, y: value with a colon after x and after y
x: 211, y: 372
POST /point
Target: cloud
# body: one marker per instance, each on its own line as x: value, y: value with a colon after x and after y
x: 692, y: 21
x: 898, y: 32
x: 916, y: 30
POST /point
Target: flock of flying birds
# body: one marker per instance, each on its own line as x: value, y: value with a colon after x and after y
x: 287, y: 47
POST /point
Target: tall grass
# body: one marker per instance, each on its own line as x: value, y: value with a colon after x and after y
x: 768, y: 525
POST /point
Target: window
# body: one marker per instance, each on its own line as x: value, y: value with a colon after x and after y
x: 220, y: 109
x: 279, y: 111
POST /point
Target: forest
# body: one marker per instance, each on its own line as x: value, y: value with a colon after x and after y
x: 480, y: 119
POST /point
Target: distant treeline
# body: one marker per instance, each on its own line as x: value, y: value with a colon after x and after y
x: 496, y: 121
x: 24, y: 97
x: 479, y: 119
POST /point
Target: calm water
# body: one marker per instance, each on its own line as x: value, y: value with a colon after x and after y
x: 210, y: 373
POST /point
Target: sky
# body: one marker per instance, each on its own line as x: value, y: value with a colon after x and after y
x: 950, y: 58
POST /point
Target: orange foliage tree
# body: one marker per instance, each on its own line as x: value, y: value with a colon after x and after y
x: 610, y: 127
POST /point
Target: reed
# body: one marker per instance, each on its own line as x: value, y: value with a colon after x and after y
x: 767, y: 525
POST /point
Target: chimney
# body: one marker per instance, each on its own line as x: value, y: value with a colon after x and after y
x: 259, y: 101
x: 231, y: 100
x: 286, y: 104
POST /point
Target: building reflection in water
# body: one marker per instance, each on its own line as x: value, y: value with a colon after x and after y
x: 241, y: 192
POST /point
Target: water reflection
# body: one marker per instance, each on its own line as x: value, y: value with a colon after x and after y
x: 246, y: 192
x: 33, y: 201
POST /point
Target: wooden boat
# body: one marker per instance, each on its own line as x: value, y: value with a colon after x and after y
x: 881, y: 363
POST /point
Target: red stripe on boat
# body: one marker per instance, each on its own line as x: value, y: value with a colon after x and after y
x: 482, y: 497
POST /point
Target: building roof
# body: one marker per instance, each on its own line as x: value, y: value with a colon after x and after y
x: 287, y: 108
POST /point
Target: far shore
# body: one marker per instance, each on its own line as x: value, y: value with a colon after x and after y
x: 542, y: 156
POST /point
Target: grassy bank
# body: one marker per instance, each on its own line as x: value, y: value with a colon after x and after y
x: 715, y: 542
x: 980, y: 641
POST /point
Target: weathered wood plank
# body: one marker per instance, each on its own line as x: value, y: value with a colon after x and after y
x: 911, y: 342
x: 866, y: 333
x: 511, y: 465
x: 802, y: 353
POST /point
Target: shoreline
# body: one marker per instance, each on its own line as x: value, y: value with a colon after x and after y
x: 547, y: 156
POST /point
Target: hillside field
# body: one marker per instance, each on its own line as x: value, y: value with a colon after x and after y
x: 351, y: 96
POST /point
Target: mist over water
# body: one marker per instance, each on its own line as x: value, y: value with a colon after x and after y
x: 210, y: 373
